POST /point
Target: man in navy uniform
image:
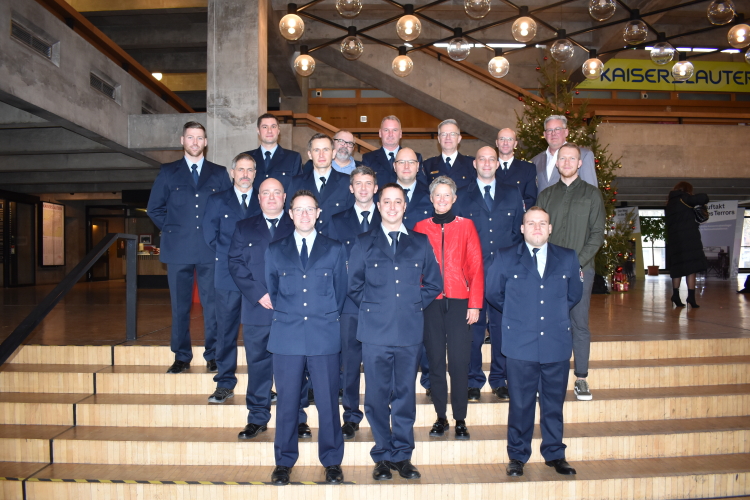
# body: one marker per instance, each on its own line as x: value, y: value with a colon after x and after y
x: 393, y: 277
x: 307, y: 284
x: 450, y: 162
x: 497, y: 212
x: 345, y: 227
x: 223, y: 211
x: 331, y: 188
x: 247, y: 266
x: 271, y: 160
x: 343, y: 161
x: 381, y: 160
x: 513, y: 171
x: 177, y: 206
x: 535, y: 284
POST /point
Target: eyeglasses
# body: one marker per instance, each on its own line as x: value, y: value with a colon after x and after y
x: 401, y: 163
x: 248, y: 170
x: 554, y: 130
x: 342, y: 141
x: 452, y: 135
x: 305, y: 210
x: 505, y: 139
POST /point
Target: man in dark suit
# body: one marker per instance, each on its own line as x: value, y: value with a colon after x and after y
x: 223, y: 211
x: 345, y: 227
x: 450, y: 162
x: 418, y: 204
x: 497, y: 212
x: 393, y: 277
x: 177, y: 205
x: 247, y: 266
x: 515, y: 172
x: 535, y: 284
x: 272, y: 160
x: 331, y: 188
x: 307, y: 284
x: 381, y: 160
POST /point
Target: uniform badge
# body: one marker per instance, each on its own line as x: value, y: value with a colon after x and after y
x: 580, y: 273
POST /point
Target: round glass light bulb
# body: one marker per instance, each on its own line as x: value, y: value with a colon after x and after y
x: 720, y: 12
x: 348, y: 8
x: 739, y: 36
x: 408, y: 28
x: 682, y: 71
x: 291, y: 27
x: 477, y: 9
x: 402, y: 66
x: 601, y: 10
x: 304, y: 65
x: 458, y: 49
x: 352, y: 48
x: 592, y: 68
x: 498, y: 66
x: 158, y: 76
x: 662, y: 53
x: 561, y: 50
x: 524, y: 29
x: 635, y: 32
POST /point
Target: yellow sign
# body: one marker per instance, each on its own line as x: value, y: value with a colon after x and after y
x: 643, y: 74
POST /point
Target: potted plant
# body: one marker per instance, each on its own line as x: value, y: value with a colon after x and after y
x: 653, y: 229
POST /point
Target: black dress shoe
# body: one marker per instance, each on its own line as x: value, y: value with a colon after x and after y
x: 280, y: 475
x: 439, y: 427
x: 474, y: 394
x: 502, y: 393
x: 348, y: 429
x: 274, y: 397
x: 561, y: 467
x: 487, y: 340
x: 462, y: 432
x: 211, y: 366
x: 406, y: 469
x: 179, y: 367
x: 310, y: 396
x: 382, y: 471
x: 303, y: 431
x: 334, y: 474
x: 428, y: 393
x: 251, y: 430
x: 514, y: 468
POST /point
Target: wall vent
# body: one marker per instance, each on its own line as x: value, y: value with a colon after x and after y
x: 27, y: 38
x: 102, y: 86
x: 146, y: 109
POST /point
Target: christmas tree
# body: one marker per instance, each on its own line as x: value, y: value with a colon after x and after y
x: 557, y: 91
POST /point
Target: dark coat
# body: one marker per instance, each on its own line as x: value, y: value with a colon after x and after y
x: 462, y: 171
x: 684, y: 246
x: 285, y: 164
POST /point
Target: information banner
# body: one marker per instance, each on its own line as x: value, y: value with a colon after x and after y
x: 643, y: 74
x: 721, y: 237
x: 53, y: 234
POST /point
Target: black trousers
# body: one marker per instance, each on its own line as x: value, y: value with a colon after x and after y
x: 445, y: 326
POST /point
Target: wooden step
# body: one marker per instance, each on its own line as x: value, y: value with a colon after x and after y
x: 610, y: 405
x: 38, y: 409
x: 48, y: 378
x: 488, y: 444
x: 663, y: 478
x: 12, y: 475
x: 72, y: 354
x: 28, y: 443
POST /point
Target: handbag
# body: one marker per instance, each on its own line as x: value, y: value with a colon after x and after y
x: 700, y: 211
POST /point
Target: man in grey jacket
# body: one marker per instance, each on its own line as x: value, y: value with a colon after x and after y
x: 577, y: 216
x: 556, y: 134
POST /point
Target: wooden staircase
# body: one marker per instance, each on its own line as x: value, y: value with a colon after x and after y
x: 669, y: 419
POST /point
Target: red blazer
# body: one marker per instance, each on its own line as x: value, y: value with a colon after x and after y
x: 459, y: 253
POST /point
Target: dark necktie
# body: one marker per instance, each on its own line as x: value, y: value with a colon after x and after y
x: 195, y: 174
x: 406, y: 192
x: 244, y: 204
x: 505, y: 168
x: 488, y: 198
x: 394, y: 240
x: 303, y: 256
x: 536, y: 262
x: 267, y: 161
x: 392, y: 157
x: 322, y: 184
x: 365, y: 223
x: 272, y: 227
x: 448, y: 163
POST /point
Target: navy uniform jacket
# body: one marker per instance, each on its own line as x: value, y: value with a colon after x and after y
x: 177, y: 208
x: 392, y: 291
x: 247, y: 264
x: 223, y: 212
x: 498, y: 229
x: 285, y: 164
x: 536, y: 321
x: 307, y: 301
x: 522, y: 175
x: 336, y: 196
x: 344, y: 227
x: 462, y: 170
x: 419, y: 208
x: 381, y: 164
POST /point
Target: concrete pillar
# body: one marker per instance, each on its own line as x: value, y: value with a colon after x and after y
x: 237, y: 76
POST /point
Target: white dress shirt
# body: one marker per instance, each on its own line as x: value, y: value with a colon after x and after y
x: 411, y: 190
x: 506, y: 162
x: 309, y: 239
x: 541, y: 257
x: 317, y: 176
x: 190, y: 164
x: 266, y: 217
x: 452, y: 157
x: 359, y: 213
x: 240, y: 193
x: 482, y: 185
x: 263, y: 150
x: 402, y: 229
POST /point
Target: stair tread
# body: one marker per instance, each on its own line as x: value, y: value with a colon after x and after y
x: 47, y: 368
x: 19, y: 431
x: 43, y: 397
x: 20, y: 470
x: 431, y: 474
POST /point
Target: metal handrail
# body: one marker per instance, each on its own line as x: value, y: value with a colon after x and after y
x: 23, y: 330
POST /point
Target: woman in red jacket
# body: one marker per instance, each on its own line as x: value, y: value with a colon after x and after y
x: 448, y: 320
